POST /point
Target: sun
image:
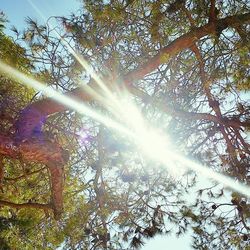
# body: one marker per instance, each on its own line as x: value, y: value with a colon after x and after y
x: 129, y: 121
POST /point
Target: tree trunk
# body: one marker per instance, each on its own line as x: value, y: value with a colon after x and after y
x: 40, y: 151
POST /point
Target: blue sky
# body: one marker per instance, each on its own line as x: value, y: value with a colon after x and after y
x: 17, y: 11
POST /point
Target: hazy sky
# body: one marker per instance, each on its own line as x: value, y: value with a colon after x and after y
x: 17, y: 11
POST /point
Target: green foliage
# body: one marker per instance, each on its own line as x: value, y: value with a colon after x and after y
x: 13, y: 96
x: 115, y: 197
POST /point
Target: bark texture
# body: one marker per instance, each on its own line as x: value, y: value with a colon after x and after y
x: 40, y: 151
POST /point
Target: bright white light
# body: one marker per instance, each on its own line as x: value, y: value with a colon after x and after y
x: 152, y: 143
x: 156, y: 145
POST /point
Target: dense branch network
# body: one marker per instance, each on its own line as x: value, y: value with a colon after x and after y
x: 28, y: 144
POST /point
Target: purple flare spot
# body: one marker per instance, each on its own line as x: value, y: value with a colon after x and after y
x: 83, y: 137
x: 30, y: 124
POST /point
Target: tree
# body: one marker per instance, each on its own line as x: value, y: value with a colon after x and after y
x: 181, y: 77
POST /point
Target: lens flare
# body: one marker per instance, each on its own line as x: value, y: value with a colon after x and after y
x: 151, y: 142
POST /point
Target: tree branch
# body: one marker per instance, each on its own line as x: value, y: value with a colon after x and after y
x: 48, y: 106
x: 212, y: 12
x: 181, y: 43
x: 25, y: 205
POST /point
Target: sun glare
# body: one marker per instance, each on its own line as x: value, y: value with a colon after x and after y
x: 150, y: 141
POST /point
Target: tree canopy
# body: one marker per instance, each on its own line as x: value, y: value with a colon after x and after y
x: 68, y: 180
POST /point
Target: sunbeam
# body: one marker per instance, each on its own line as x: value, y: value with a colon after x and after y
x: 78, y: 57
x: 151, y: 142
x: 67, y: 101
x: 107, y: 98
